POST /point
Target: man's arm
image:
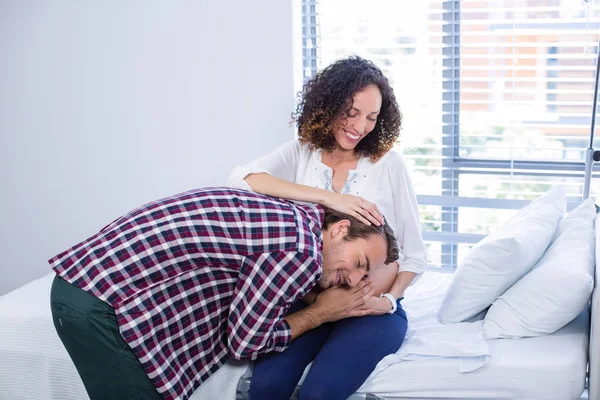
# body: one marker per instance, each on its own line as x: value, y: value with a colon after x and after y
x: 331, y: 305
x: 267, y: 283
x: 303, y: 321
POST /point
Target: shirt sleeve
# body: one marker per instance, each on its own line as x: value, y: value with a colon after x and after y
x: 281, y: 162
x: 268, y: 284
x: 413, y: 255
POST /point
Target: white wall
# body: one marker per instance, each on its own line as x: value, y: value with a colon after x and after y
x: 105, y: 105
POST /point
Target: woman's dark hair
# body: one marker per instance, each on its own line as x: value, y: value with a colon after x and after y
x: 326, y: 99
x: 360, y: 230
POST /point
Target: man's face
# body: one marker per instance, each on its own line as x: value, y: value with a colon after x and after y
x: 347, y: 262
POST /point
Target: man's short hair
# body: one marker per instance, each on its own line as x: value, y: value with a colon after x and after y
x: 360, y: 230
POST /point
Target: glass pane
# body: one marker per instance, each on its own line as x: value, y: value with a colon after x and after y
x: 431, y: 220
x: 526, y: 79
x: 434, y: 254
x: 519, y: 187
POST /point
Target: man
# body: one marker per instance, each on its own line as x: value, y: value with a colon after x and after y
x: 157, y: 301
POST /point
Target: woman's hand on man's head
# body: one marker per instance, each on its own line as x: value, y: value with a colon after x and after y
x: 356, y: 206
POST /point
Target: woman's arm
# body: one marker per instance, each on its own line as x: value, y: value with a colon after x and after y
x: 399, y: 282
x: 271, y: 185
x: 281, y: 163
x: 275, y: 173
x: 413, y: 257
x: 356, y: 206
x: 403, y: 281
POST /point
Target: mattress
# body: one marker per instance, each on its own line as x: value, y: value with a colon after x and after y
x: 547, y: 367
x: 33, y: 362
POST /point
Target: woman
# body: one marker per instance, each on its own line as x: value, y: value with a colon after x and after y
x: 348, y: 121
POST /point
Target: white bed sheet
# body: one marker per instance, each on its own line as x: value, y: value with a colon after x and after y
x: 33, y: 362
x: 550, y: 367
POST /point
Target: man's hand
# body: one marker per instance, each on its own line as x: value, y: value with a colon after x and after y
x: 378, y: 305
x: 344, y: 302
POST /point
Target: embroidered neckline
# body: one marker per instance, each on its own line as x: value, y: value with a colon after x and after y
x: 327, y: 172
x: 351, y: 177
x: 328, y: 175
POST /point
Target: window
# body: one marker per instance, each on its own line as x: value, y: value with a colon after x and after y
x: 496, y: 95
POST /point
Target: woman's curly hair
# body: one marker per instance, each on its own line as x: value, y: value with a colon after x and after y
x: 326, y: 99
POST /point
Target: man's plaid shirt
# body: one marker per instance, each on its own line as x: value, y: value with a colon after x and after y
x: 200, y: 276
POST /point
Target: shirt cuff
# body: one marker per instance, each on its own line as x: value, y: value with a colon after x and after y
x: 282, y: 335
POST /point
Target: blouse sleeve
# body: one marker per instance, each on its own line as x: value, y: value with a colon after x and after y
x: 413, y: 256
x: 281, y: 162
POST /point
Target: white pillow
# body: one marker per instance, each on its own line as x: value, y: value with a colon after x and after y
x: 556, y: 290
x: 502, y: 258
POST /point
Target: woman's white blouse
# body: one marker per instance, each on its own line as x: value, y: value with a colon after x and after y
x: 385, y: 183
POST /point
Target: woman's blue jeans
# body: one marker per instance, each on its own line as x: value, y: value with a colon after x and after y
x: 344, y: 354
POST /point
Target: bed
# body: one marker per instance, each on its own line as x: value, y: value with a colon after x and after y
x: 34, y: 364
x: 546, y: 367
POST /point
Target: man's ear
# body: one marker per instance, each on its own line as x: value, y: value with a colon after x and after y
x: 339, y: 230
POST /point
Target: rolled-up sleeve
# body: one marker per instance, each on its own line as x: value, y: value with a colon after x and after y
x: 281, y: 162
x: 268, y: 284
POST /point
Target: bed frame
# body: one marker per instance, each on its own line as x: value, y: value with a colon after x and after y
x: 594, y: 356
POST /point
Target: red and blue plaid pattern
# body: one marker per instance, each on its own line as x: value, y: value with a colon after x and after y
x: 201, y: 276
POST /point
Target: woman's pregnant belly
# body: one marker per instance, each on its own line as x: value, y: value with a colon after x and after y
x: 383, y: 277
